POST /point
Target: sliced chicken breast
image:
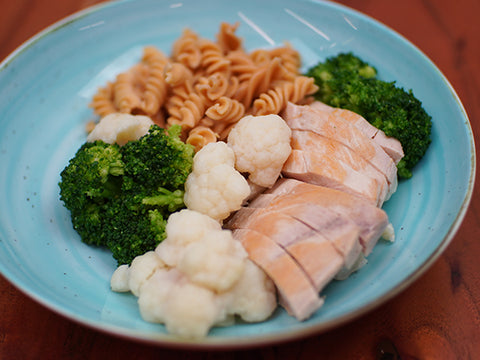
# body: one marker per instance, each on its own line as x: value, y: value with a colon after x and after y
x: 318, y: 169
x: 297, y: 294
x: 333, y: 150
x: 390, y: 145
x: 304, y: 117
x: 371, y: 220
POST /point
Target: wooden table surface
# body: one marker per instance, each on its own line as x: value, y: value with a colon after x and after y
x: 438, y: 317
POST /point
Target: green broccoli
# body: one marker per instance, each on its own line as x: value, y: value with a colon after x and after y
x: 89, y: 181
x: 346, y: 81
x: 120, y: 197
x: 157, y: 160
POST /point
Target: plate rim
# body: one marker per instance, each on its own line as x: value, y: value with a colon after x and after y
x: 249, y: 341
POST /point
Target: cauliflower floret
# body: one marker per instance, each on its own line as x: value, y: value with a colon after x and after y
x: 216, y: 262
x: 213, y: 154
x: 120, y: 128
x: 197, y: 278
x: 254, y: 297
x: 202, y: 250
x: 119, y: 279
x: 186, y: 309
x: 131, y: 278
x: 214, y: 187
x: 180, y: 235
x: 389, y: 233
x: 142, y: 268
x: 261, y: 145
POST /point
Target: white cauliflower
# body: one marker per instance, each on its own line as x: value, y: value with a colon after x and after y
x: 180, y: 235
x: 253, y: 296
x: 261, y: 145
x: 131, y: 278
x: 214, y: 187
x: 119, y: 279
x: 120, y: 128
x: 197, y: 278
x: 389, y: 233
x: 187, y: 309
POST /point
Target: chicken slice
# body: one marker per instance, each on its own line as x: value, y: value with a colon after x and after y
x: 371, y: 220
x: 297, y: 294
x: 390, y: 145
x: 304, y: 117
x: 322, y: 170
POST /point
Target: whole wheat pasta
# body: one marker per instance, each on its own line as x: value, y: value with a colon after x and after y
x: 155, y: 86
x: 206, y: 86
x: 213, y: 87
x: 290, y: 58
x: 259, y: 82
x: 226, y: 110
x: 261, y: 57
x: 206, y: 121
x: 127, y: 89
x: 227, y: 39
x: 276, y: 99
x: 201, y: 136
x: 213, y: 60
x: 102, y: 102
x: 186, y: 51
x: 222, y: 129
x: 177, y: 74
x: 189, y: 113
x: 233, y: 84
x: 241, y: 65
x: 178, y: 95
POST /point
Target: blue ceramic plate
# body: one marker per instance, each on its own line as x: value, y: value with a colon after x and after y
x: 45, y: 89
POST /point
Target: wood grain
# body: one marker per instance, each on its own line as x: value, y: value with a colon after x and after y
x: 438, y: 317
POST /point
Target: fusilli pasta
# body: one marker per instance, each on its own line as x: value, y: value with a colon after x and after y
x: 206, y: 86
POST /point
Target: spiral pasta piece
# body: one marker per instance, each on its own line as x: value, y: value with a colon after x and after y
x: 126, y: 92
x: 215, y: 86
x: 276, y: 99
x: 290, y: 58
x: 155, y: 86
x: 213, y: 60
x: 178, y: 95
x: 241, y: 65
x: 201, y: 136
x: 206, y: 86
x: 189, y: 113
x: 259, y: 82
x: 227, y: 39
x: 226, y: 110
x: 103, y: 101
x: 177, y: 74
x: 261, y: 57
x: 186, y: 51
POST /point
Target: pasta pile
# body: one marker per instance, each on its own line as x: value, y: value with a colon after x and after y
x: 206, y: 86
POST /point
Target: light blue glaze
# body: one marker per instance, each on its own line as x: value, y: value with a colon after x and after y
x: 45, y: 88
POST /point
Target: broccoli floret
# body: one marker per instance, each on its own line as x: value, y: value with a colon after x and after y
x: 89, y: 181
x: 120, y: 197
x: 169, y: 200
x: 133, y: 228
x: 100, y: 164
x: 158, y: 159
x: 346, y: 81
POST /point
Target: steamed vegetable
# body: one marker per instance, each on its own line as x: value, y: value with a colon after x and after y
x: 121, y: 196
x: 346, y: 81
x: 261, y: 145
x: 215, y: 187
x: 198, y: 278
